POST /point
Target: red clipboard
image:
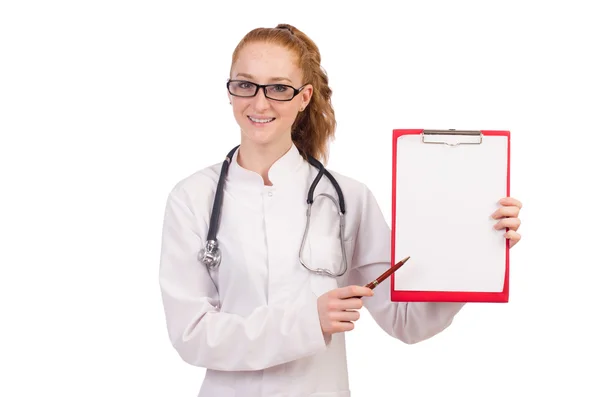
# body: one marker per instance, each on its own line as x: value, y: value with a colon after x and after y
x: 432, y: 169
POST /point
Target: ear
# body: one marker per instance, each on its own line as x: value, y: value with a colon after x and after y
x: 306, y: 95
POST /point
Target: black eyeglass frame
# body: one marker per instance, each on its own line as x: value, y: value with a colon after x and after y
x: 264, y: 88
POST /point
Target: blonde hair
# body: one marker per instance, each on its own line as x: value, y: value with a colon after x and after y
x: 314, y: 126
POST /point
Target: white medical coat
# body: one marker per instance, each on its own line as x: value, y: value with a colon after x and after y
x: 253, y: 322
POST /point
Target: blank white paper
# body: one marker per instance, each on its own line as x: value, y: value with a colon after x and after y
x: 445, y: 196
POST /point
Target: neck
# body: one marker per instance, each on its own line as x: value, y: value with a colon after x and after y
x: 260, y: 158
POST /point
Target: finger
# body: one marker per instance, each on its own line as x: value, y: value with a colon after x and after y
x: 510, y: 223
x: 352, y: 291
x: 346, y: 315
x: 510, y: 212
x: 343, y: 326
x: 513, y: 238
x: 511, y: 201
x: 347, y: 304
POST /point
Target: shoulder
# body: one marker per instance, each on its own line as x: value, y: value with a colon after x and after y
x: 350, y: 184
x: 197, y: 188
x: 356, y: 193
x: 363, y: 212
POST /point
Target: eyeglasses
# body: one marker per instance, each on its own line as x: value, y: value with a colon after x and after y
x: 277, y: 92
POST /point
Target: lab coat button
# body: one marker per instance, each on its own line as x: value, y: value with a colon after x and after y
x: 270, y: 194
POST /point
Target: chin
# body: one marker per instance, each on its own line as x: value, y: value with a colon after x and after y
x: 256, y: 139
x: 261, y: 135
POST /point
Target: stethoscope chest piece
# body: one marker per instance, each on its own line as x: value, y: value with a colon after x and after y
x: 210, y: 256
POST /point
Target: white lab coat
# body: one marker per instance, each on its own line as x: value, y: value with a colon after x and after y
x: 254, y: 325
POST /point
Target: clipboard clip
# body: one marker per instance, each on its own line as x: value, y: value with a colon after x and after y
x: 474, y: 137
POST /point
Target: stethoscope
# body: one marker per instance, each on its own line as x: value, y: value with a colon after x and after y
x: 210, y: 255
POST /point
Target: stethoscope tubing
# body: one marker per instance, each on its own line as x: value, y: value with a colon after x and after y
x: 210, y: 255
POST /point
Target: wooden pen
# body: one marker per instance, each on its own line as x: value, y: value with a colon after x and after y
x: 386, y: 274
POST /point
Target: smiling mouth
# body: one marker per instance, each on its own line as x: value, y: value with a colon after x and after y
x: 261, y: 121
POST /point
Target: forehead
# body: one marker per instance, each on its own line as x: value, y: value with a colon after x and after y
x: 267, y: 62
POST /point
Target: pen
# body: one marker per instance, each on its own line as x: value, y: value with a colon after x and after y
x: 386, y: 274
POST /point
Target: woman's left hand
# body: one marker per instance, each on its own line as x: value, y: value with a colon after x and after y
x: 508, y: 217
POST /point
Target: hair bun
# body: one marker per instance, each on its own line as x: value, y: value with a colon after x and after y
x: 285, y: 26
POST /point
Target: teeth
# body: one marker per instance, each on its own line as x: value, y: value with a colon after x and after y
x: 261, y: 120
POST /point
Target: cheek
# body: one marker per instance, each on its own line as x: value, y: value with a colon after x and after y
x: 238, y: 110
x: 287, y: 114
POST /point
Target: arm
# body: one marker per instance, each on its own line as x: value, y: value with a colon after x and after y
x: 410, y: 322
x: 202, y: 334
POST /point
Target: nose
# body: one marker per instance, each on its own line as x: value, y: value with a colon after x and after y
x: 261, y: 102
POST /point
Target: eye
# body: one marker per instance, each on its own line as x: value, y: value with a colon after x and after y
x: 244, y: 85
x: 279, y: 88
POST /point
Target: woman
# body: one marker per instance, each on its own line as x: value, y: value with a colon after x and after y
x: 262, y: 324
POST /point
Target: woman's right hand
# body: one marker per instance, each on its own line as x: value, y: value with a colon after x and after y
x: 339, y: 307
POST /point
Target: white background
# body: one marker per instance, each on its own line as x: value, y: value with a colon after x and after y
x: 105, y: 105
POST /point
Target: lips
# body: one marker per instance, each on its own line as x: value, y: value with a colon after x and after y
x: 261, y: 120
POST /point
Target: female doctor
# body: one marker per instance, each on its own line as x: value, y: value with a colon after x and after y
x: 239, y: 273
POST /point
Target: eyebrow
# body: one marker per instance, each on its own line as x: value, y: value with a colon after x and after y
x: 273, y: 79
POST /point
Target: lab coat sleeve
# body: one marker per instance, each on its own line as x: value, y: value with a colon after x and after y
x: 206, y: 337
x: 410, y: 322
